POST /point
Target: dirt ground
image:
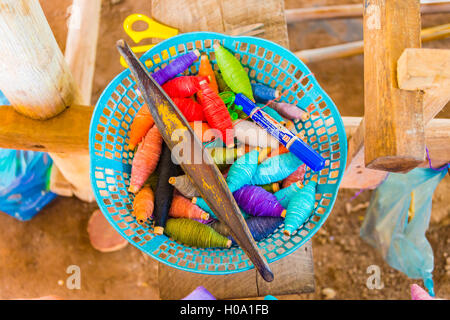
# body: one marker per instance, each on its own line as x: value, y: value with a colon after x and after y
x: 35, y: 255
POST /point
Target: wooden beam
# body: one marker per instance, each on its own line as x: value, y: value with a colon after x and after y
x: 175, y: 284
x: 66, y: 133
x: 393, y: 118
x: 350, y: 11
x: 427, y: 70
x: 33, y: 74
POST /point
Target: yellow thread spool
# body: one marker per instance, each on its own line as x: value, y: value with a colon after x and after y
x: 154, y: 30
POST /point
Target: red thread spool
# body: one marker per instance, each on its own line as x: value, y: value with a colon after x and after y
x: 182, y: 87
x: 191, y: 110
x: 216, y: 113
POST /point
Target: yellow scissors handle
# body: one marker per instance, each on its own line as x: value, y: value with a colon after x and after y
x: 154, y: 29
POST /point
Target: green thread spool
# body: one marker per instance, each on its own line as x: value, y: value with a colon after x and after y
x: 195, y: 234
x: 220, y: 82
x: 225, y: 156
x: 300, y: 207
x: 284, y: 195
x: 242, y: 171
x: 220, y: 227
x: 271, y: 187
x: 233, y: 73
x: 152, y: 181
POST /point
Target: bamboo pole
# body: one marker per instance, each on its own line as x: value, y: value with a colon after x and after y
x: 350, y: 11
x: 357, y: 47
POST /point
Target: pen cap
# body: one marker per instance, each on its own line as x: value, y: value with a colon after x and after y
x: 308, y: 155
x: 246, y: 104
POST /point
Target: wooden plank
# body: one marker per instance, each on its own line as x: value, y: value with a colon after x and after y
x: 33, y: 74
x: 421, y: 69
x: 350, y: 11
x: 357, y: 176
x: 427, y: 70
x: 393, y: 118
x: 66, y: 133
x: 224, y: 16
x: 288, y: 280
x: 237, y: 13
x: 199, y: 15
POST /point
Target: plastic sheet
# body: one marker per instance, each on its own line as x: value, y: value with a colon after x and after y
x: 403, y: 244
x: 24, y: 177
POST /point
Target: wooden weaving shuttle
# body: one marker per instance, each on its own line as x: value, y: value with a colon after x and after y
x: 203, y: 172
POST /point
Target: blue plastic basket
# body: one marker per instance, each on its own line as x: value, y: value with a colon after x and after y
x: 267, y: 63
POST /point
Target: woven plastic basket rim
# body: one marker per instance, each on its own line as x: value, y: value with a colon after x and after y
x: 192, y: 37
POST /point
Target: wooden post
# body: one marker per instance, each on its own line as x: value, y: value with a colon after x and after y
x: 33, y: 74
x: 37, y: 80
x: 81, y: 49
x: 393, y: 118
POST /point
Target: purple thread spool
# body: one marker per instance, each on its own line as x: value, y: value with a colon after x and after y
x: 175, y: 67
x: 256, y: 201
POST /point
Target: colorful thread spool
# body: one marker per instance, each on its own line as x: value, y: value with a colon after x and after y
x: 164, y: 190
x: 276, y: 168
x: 242, y: 170
x: 182, y: 87
x: 261, y: 227
x: 284, y: 195
x: 142, y: 122
x: 175, y: 67
x: 202, y: 130
x: 145, y: 159
x: 206, y: 70
x: 271, y: 187
x: 143, y: 205
x: 216, y: 113
x: 264, y: 93
x: 223, y: 87
x: 300, y: 207
x: 190, y: 109
x: 195, y: 234
x: 185, y: 186
x: 290, y: 111
x: 184, y: 208
x: 222, y: 156
x: 198, y: 201
x: 297, y: 175
x: 152, y: 181
x: 203, y: 205
x: 250, y: 133
x: 256, y: 201
x: 233, y: 72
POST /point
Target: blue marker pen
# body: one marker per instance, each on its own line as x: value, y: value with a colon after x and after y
x: 295, y: 145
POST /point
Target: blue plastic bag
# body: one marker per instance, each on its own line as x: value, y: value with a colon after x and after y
x: 403, y: 244
x: 24, y: 177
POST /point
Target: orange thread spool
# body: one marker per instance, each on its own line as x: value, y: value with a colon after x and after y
x: 184, y: 208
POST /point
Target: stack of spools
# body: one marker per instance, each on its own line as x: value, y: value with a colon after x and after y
x: 267, y: 181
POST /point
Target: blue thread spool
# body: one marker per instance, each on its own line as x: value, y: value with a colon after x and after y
x: 263, y: 93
